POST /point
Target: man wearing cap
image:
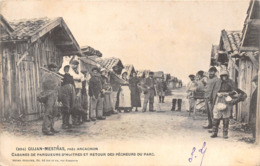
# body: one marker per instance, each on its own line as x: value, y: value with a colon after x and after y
x: 222, y: 88
x: 96, y: 96
x: 50, y: 86
x: 191, y: 87
x: 78, y: 78
x: 149, y: 92
x: 211, y: 81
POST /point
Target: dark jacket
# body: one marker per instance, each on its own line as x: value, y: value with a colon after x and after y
x: 219, y: 86
x: 95, y: 86
x: 209, y: 87
x: 67, y: 79
x: 149, y: 84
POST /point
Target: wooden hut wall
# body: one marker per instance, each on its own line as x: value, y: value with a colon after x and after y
x: 246, y: 74
x: 21, y: 84
x: 232, y: 71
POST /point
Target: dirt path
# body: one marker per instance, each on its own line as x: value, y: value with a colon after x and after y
x: 169, y: 135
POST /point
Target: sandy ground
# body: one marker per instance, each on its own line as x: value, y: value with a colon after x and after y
x: 168, y: 136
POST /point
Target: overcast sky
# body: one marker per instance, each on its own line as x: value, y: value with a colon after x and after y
x: 175, y: 37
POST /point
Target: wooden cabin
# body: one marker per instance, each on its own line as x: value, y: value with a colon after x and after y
x: 172, y: 83
x: 91, y: 53
x: 225, y: 55
x: 143, y: 73
x: 214, y: 55
x: 112, y: 64
x: 26, y: 46
x: 89, y: 58
x: 228, y: 52
x: 115, y: 67
x: 249, y: 57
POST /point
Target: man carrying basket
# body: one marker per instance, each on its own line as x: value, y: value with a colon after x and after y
x: 220, y: 95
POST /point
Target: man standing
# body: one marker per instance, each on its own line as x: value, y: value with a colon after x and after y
x: 78, y: 78
x: 95, y: 94
x: 191, y: 87
x: 211, y: 81
x: 161, y: 88
x: 50, y: 87
x: 221, y: 110
x: 67, y: 97
x: 149, y: 92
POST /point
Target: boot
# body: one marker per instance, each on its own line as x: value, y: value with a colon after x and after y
x: 173, y: 104
x: 215, y: 124
x: 225, y: 128
x: 179, y: 104
x: 162, y: 99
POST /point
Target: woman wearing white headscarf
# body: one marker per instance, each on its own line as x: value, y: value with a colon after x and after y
x: 124, y: 95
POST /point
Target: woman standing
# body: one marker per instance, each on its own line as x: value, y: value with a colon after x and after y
x: 124, y: 95
x: 135, y: 93
x: 107, y: 89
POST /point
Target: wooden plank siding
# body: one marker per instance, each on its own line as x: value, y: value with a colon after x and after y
x: 19, y: 85
x: 1, y: 84
x: 246, y: 74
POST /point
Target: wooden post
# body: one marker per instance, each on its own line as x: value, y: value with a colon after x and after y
x: 257, y: 140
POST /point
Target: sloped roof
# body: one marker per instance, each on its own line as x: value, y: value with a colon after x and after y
x: 129, y: 69
x: 230, y: 41
x: 33, y: 29
x: 142, y: 73
x: 89, y: 51
x: 109, y: 63
x: 6, y: 29
x: 251, y: 30
x: 25, y: 28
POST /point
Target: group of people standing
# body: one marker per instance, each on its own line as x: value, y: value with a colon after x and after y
x: 220, y: 94
x: 90, y: 96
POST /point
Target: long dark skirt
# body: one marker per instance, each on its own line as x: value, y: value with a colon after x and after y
x: 135, y: 97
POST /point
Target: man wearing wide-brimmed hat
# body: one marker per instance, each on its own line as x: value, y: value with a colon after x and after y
x: 223, y: 87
